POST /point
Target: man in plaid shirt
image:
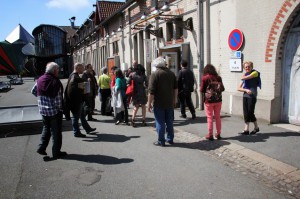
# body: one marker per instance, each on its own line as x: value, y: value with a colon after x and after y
x: 50, y: 103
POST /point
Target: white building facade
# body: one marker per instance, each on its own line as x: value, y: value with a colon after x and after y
x: 200, y: 32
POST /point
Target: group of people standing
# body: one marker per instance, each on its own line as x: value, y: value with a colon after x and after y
x: 113, y: 91
x: 163, y: 89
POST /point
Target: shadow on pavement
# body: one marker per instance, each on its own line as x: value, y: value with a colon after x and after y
x: 188, y: 121
x: 203, y: 145
x: 29, y: 128
x: 110, y: 138
x: 99, y: 159
x: 261, y: 137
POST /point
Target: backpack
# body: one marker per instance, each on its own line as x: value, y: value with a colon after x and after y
x: 213, y: 91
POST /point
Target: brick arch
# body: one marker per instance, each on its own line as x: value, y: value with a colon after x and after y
x: 279, y: 29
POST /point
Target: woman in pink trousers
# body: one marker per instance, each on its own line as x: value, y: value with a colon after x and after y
x: 212, y: 88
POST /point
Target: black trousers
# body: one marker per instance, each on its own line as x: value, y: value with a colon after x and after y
x: 105, y: 93
x: 52, y: 127
x: 185, y: 98
x: 248, y: 108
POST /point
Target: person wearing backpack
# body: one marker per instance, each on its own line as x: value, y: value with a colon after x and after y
x: 250, y: 81
x: 211, y: 88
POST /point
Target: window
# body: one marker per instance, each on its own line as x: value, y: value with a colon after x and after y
x: 115, y: 48
x: 179, y: 29
x: 170, y: 31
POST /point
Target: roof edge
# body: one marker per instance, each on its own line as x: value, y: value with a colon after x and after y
x: 127, y: 4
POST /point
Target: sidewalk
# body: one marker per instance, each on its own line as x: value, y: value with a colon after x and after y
x: 273, y: 141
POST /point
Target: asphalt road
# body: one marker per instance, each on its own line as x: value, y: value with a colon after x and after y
x: 119, y: 162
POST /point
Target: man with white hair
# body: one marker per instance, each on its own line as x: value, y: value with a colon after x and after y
x: 163, y: 93
x: 50, y: 103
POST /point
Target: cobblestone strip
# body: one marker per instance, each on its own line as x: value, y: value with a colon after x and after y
x: 279, y: 176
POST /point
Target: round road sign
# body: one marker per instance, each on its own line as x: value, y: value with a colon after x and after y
x: 235, y: 39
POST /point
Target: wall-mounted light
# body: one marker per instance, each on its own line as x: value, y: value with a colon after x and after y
x: 119, y: 29
x: 156, y: 11
x: 113, y: 33
x: 166, y: 7
x: 143, y: 17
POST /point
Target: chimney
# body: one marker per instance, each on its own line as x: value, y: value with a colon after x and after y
x: 72, y: 20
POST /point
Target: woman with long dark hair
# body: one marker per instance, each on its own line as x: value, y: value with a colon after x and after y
x: 121, y: 85
x: 139, y: 97
x: 212, y: 88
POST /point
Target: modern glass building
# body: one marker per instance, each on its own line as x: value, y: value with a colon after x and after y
x: 50, y: 45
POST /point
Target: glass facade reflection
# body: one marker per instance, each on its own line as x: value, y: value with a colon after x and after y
x: 51, y: 45
x: 49, y: 41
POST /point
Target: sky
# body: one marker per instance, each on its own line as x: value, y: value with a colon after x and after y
x: 32, y: 13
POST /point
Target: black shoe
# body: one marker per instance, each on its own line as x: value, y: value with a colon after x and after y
x: 60, y: 154
x: 171, y: 142
x: 80, y: 135
x: 158, y: 143
x: 244, y: 133
x: 92, y: 119
x: 41, y: 152
x: 47, y: 159
x: 211, y: 138
x: 254, y: 131
x: 91, y: 130
x: 133, y: 124
x: 219, y: 137
x: 182, y: 116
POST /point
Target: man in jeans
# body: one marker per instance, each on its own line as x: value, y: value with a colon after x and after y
x: 74, y: 101
x: 50, y: 103
x: 185, y: 89
x: 163, y: 93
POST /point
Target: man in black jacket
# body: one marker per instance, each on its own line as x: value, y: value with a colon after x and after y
x: 186, y: 83
x: 89, y: 97
x: 74, y: 94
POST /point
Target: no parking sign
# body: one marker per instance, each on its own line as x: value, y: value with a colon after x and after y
x: 235, y: 39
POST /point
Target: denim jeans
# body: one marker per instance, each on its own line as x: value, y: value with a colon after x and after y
x: 79, y: 114
x: 52, y: 126
x: 164, y: 122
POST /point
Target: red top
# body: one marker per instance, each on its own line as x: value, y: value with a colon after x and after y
x: 113, y: 81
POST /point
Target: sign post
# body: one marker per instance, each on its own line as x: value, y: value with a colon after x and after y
x: 235, y: 42
x: 235, y: 39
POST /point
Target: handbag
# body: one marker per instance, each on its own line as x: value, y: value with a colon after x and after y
x: 130, y: 88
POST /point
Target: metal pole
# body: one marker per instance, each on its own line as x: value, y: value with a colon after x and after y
x: 200, y: 48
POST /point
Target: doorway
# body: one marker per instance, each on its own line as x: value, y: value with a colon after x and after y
x: 291, y: 76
